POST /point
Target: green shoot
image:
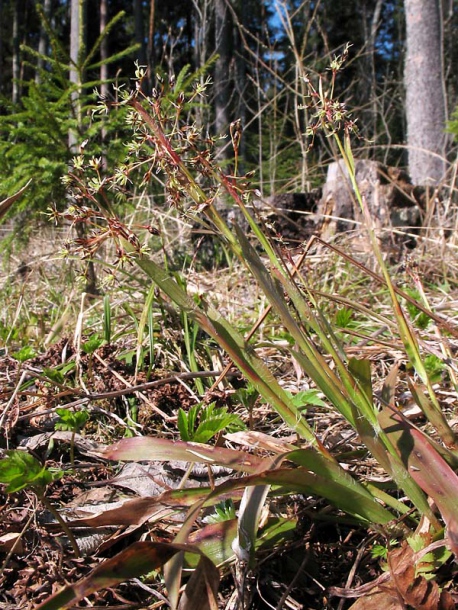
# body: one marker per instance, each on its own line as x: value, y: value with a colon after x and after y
x: 107, y: 319
x: 72, y: 421
x: 25, y: 353
x: 308, y: 398
x: 203, y: 423
x: 92, y: 344
x: 224, y: 511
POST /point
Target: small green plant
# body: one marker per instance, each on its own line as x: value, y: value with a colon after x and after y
x: 344, y: 317
x: 435, y: 368
x: 203, y: 422
x: 92, y: 344
x: 419, y: 318
x: 430, y: 561
x: 224, y: 511
x: 248, y: 397
x: 58, y: 374
x: 72, y: 421
x: 89, y: 347
x: 307, y: 398
x: 20, y: 470
x: 25, y: 353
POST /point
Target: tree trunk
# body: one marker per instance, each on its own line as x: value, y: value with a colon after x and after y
x: 103, y: 69
x: 2, y: 59
x: 77, y: 32
x: 375, y: 22
x: 425, y: 95
x: 241, y: 77
x: 222, y: 48
x: 103, y: 48
x: 139, y: 31
x: 16, y: 50
x: 202, y: 26
x: 43, y: 42
x: 77, y: 36
x: 150, y: 56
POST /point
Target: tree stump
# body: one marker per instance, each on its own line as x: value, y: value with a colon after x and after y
x: 393, y: 202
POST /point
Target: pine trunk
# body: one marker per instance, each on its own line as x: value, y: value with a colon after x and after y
x: 16, y: 52
x: 222, y: 48
x: 425, y: 95
x: 43, y: 42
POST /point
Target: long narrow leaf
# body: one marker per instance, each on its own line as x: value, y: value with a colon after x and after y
x: 138, y: 559
x: 242, y: 355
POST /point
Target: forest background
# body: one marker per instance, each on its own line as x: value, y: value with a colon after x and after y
x: 54, y: 53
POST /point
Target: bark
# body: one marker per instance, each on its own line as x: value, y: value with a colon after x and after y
x: 103, y: 68
x: 16, y: 60
x: 1, y: 47
x: 222, y: 48
x: 425, y: 95
x: 77, y: 36
x: 240, y: 77
x: 150, y: 56
x: 103, y: 48
x: 139, y: 31
x: 375, y: 22
x: 202, y: 26
x: 77, y: 32
x: 43, y: 41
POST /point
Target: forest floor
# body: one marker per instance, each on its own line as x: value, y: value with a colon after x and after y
x: 322, y: 560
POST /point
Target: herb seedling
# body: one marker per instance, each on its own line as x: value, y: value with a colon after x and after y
x: 202, y: 423
x: 72, y: 421
x: 20, y: 470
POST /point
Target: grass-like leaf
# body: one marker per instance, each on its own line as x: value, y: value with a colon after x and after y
x: 138, y: 559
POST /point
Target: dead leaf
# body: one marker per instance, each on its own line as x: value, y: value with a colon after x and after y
x: 7, y: 541
x: 202, y: 588
x: 415, y: 591
x: 379, y: 599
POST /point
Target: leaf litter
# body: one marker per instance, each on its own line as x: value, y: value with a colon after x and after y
x: 109, y: 507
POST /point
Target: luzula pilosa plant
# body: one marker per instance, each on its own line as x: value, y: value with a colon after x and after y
x: 167, y: 144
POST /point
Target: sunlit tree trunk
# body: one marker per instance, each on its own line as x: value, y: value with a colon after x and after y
x: 375, y: 22
x: 425, y: 95
x: 222, y: 67
x: 1, y: 46
x: 104, y: 66
x: 140, y: 31
x: 77, y: 38
x: 77, y: 32
x: 240, y: 74
x: 150, y: 56
x: 43, y: 41
x: 16, y: 50
x: 202, y: 26
x: 103, y: 48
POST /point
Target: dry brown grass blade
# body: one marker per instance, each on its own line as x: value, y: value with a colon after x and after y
x: 437, y: 318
